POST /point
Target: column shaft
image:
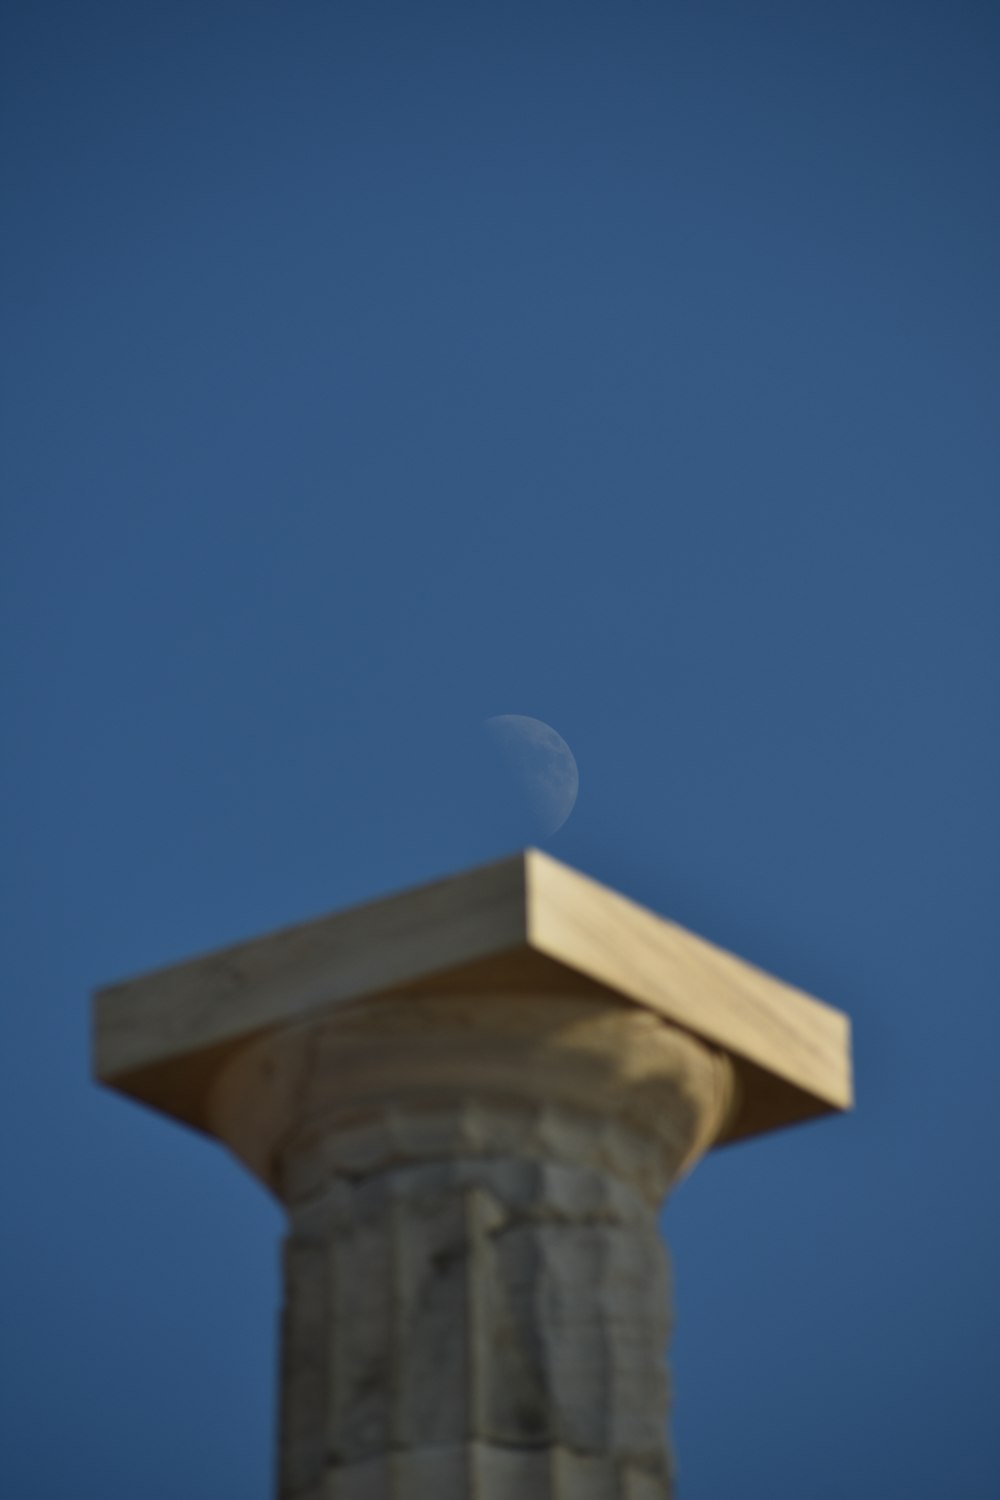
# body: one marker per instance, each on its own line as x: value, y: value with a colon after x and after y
x: 482, y: 1326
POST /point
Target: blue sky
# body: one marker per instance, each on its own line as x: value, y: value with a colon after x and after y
x: 372, y: 368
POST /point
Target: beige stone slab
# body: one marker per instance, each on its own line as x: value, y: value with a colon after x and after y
x: 286, y: 975
x: 524, y: 926
x: 689, y: 981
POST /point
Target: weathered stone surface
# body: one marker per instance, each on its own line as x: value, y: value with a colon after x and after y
x: 477, y: 1294
x: 517, y: 1304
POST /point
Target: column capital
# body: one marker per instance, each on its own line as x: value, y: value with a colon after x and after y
x: 586, y: 1080
x: 525, y: 926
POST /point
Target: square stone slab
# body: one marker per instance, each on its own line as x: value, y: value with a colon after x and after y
x: 523, y: 926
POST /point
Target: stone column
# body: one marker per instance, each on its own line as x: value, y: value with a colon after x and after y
x: 476, y: 1291
x: 473, y: 1097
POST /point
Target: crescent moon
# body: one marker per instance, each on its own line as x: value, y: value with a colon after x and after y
x: 541, y: 764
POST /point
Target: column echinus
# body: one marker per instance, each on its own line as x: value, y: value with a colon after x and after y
x: 472, y: 1099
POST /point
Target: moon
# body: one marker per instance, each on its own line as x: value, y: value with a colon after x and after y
x: 540, y: 763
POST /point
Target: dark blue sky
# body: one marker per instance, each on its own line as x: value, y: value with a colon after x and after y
x: 371, y: 368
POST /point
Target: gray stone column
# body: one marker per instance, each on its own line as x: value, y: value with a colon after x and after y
x: 476, y: 1292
